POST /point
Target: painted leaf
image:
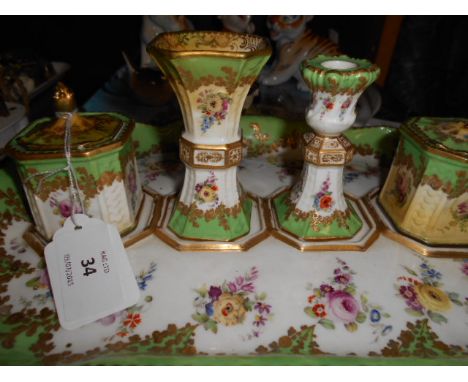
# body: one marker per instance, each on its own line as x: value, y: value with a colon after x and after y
x: 413, y: 312
x: 296, y: 341
x: 351, y: 327
x: 248, y: 304
x: 361, y: 317
x: 211, y: 325
x: 454, y: 297
x: 410, y: 271
x: 364, y: 300
x: 262, y: 296
x: 42, y: 264
x: 201, y: 318
x: 418, y: 340
x: 326, y: 323
x: 318, y: 293
x: 203, y: 292
x: 225, y: 287
x: 173, y: 341
x: 351, y: 289
x: 436, y: 317
x: 427, y: 280
x: 33, y: 282
x: 310, y: 312
x: 457, y: 302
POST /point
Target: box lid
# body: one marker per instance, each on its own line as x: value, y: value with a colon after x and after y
x: 446, y: 137
x: 92, y: 134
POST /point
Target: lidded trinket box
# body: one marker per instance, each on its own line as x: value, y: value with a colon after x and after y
x: 104, y: 161
x: 426, y: 192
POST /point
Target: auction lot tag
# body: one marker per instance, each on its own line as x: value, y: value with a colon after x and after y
x: 89, y: 272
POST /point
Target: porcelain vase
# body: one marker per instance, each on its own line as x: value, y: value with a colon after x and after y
x: 211, y: 74
x: 316, y: 207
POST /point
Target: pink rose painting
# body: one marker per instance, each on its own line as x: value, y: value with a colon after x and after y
x: 343, y: 306
x: 337, y: 302
x: 464, y: 268
x: 64, y: 207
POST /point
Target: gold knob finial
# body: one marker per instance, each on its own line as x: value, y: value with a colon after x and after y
x: 64, y: 99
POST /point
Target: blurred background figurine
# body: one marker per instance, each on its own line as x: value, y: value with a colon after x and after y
x: 293, y: 44
x: 239, y: 24
x: 154, y: 25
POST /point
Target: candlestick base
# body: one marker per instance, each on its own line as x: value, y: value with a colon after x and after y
x: 311, y: 226
x: 361, y: 231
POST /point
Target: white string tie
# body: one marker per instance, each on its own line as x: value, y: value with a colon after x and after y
x: 74, y: 188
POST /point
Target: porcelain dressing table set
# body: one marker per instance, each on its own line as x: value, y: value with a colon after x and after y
x: 422, y: 205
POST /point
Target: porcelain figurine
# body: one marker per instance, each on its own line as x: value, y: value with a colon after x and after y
x: 316, y: 208
x: 104, y: 160
x: 293, y: 44
x: 426, y: 191
x: 211, y: 74
x: 153, y: 25
x: 237, y: 24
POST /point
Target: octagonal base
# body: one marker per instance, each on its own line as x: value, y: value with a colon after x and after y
x: 339, y: 226
x: 367, y: 233
x: 391, y: 231
x: 219, y: 224
x: 258, y: 230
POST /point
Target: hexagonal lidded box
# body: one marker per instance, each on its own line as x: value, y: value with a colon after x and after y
x: 426, y: 191
x: 104, y: 160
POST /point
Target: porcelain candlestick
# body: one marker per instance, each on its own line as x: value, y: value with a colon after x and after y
x: 316, y: 208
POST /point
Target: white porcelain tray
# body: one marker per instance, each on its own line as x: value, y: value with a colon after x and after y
x: 286, y: 306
